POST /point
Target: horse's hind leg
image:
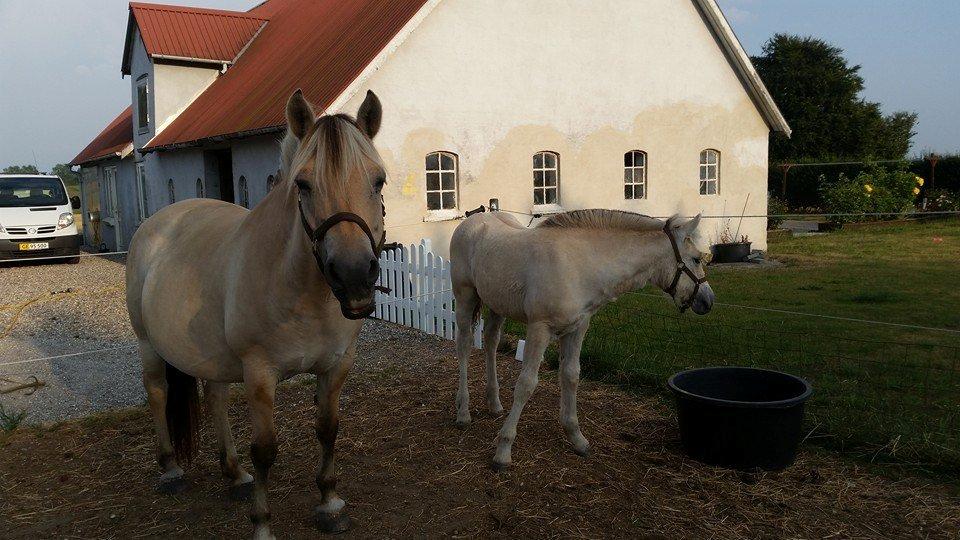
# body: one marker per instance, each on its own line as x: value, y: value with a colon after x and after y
x: 538, y: 337
x: 218, y: 397
x: 569, y: 380
x: 155, y: 384
x: 468, y: 302
x: 330, y: 515
x: 492, y: 326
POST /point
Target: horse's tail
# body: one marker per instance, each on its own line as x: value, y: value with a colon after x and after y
x: 183, y: 413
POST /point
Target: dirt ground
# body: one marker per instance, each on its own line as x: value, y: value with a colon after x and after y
x: 407, y: 471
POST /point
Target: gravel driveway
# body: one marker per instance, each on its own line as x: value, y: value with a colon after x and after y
x: 49, y: 309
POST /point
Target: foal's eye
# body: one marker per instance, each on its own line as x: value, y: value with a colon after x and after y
x: 303, y: 186
x: 697, y: 261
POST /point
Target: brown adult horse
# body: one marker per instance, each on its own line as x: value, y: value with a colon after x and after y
x: 222, y: 294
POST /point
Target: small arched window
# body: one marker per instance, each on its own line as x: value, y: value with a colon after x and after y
x: 270, y: 182
x: 635, y: 175
x: 244, y: 195
x: 546, y: 178
x: 201, y: 193
x: 709, y: 172
x: 171, y: 191
x: 441, y: 181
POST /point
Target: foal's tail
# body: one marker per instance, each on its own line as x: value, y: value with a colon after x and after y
x: 183, y: 413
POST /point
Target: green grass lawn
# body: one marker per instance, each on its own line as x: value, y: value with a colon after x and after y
x: 887, y: 393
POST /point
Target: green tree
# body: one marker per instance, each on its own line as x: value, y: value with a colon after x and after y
x: 70, y: 178
x: 819, y: 94
x: 20, y: 169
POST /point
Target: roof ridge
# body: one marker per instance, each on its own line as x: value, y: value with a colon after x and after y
x: 197, y: 10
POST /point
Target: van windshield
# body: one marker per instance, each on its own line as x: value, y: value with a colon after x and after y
x: 19, y: 192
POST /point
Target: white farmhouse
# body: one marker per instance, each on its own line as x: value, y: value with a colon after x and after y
x: 650, y: 106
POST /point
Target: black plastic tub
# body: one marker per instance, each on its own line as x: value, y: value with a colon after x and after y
x: 740, y: 418
x: 731, y: 252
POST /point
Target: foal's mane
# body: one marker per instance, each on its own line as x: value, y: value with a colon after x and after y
x: 603, y: 219
x: 337, y: 144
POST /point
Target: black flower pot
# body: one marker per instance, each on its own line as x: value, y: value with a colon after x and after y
x: 731, y: 252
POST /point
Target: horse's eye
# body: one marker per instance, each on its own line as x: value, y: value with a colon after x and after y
x: 697, y: 261
x: 381, y: 181
x: 303, y: 186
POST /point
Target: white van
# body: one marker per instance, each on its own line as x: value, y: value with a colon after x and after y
x: 36, y: 218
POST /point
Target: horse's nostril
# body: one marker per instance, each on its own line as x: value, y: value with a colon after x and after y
x: 374, y: 269
x: 332, y: 273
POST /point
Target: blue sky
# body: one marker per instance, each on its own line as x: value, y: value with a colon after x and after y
x: 60, y: 63
x: 909, y: 51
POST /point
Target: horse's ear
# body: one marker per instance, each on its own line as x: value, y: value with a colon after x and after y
x: 300, y: 115
x: 369, y: 115
x: 691, y: 226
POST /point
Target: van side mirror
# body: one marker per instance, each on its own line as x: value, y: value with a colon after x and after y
x: 75, y: 202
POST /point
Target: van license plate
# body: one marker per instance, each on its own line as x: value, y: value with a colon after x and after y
x: 34, y: 246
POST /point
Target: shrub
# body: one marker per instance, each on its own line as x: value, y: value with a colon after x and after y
x: 10, y: 420
x: 776, y: 207
x: 942, y: 200
x: 875, y: 190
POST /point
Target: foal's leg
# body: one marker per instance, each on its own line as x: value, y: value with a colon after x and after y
x: 330, y: 515
x: 492, y: 326
x: 155, y: 384
x: 467, y: 303
x: 218, y: 397
x: 261, y: 386
x: 569, y: 379
x: 538, y: 337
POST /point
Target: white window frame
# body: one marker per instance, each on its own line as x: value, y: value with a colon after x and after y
x: 634, y: 176
x: 142, y: 191
x: 171, y: 191
x: 201, y: 189
x: 143, y: 110
x: 243, y: 192
x: 442, y: 214
x: 709, y: 172
x: 546, y: 207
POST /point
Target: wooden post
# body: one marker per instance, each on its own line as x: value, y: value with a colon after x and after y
x: 933, y: 159
x: 783, y: 188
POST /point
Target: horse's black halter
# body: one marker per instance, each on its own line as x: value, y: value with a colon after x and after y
x: 682, y: 268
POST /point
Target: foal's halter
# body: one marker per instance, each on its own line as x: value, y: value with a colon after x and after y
x: 682, y: 268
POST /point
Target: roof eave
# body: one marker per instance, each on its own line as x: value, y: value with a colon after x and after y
x: 214, y: 139
x: 744, y: 67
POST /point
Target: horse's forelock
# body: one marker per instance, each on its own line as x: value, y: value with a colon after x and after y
x: 337, y: 146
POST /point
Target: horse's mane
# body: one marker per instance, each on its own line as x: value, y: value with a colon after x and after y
x: 334, y: 141
x: 603, y: 219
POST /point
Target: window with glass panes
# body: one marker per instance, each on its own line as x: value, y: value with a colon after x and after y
x: 709, y: 172
x: 441, y: 181
x: 635, y: 175
x: 546, y: 178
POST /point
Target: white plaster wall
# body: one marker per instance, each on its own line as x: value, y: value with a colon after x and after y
x: 495, y: 81
x: 175, y: 86
x: 182, y: 166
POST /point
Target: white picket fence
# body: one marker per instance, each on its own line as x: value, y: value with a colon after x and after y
x: 420, y: 292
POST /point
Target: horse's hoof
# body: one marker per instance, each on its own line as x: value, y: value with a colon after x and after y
x: 172, y: 486
x: 332, y: 523
x: 462, y: 424
x: 499, y: 467
x: 240, y: 492
x: 496, y: 411
x: 582, y: 452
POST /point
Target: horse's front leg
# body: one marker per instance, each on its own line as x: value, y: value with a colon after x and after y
x: 569, y: 380
x: 261, y: 385
x: 330, y: 514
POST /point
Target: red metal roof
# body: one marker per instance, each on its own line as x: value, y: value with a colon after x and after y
x: 320, y: 46
x: 191, y: 33
x: 111, y: 141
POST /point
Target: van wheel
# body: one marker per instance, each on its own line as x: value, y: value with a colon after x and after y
x: 73, y: 260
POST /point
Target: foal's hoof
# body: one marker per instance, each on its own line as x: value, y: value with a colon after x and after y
x: 332, y: 523
x: 499, y: 467
x: 240, y: 492
x: 172, y: 486
x: 463, y: 423
x: 582, y: 452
